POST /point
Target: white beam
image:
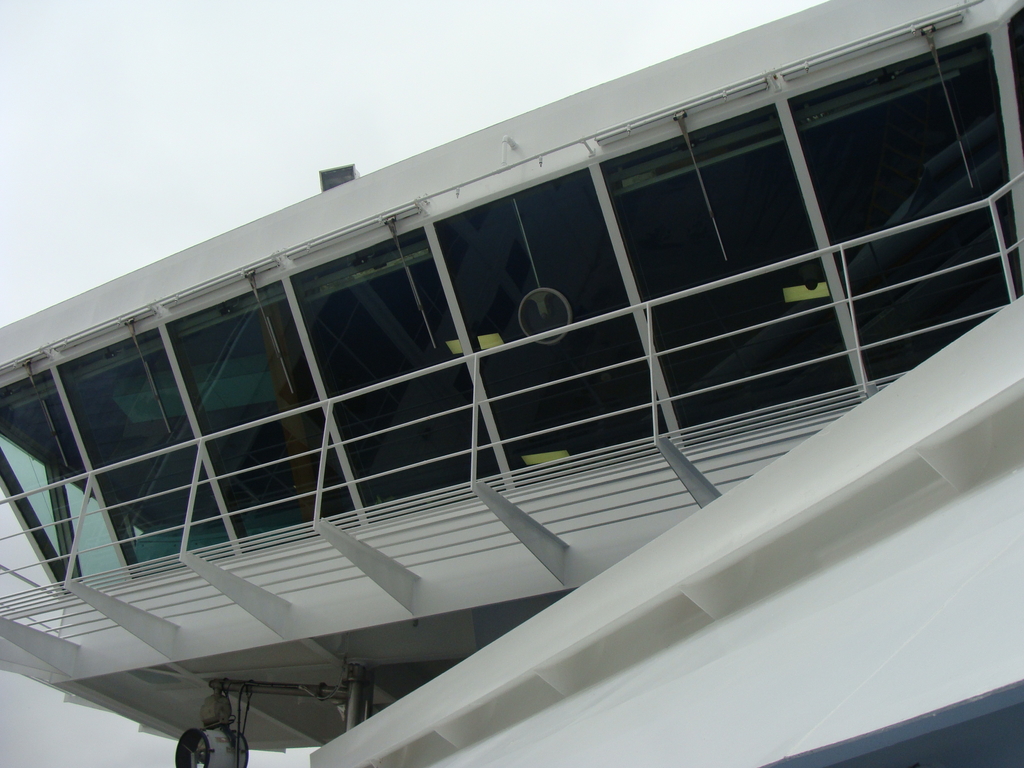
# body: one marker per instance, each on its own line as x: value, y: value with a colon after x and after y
x: 542, y: 543
x: 152, y: 630
x: 389, y: 574
x: 55, y: 651
x: 270, y: 609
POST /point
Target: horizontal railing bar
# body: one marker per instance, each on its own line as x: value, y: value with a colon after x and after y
x: 929, y: 329
x: 564, y: 379
x: 922, y: 278
x: 404, y: 424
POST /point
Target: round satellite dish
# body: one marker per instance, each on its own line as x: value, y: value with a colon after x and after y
x: 544, y: 309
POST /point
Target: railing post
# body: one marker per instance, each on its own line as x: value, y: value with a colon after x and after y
x: 193, y: 491
x: 853, y: 318
x: 652, y: 361
x: 474, y: 423
x: 1004, y: 254
x: 322, y: 469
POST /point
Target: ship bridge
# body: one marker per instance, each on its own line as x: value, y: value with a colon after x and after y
x: 350, y: 444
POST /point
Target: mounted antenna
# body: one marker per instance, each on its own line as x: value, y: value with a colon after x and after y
x: 681, y: 119
x: 929, y: 35
x: 251, y: 277
x: 149, y: 375
x: 392, y: 225
x: 46, y: 412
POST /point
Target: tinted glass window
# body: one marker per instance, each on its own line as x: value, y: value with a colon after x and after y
x: 421, y: 430
x: 752, y: 191
x: 588, y: 374
x: 551, y: 236
x: 242, y: 360
x: 726, y: 347
x: 882, y: 147
x: 363, y: 318
x: 36, y: 449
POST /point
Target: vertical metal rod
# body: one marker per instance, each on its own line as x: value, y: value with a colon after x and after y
x: 251, y: 277
x: 354, y: 698
x: 191, y: 504
x: 652, y: 361
x: 149, y: 375
x: 46, y: 412
x: 393, y: 226
x: 681, y: 119
x: 929, y: 35
x: 526, y: 242
x: 475, y: 423
x: 853, y: 317
x: 321, y: 470
x: 1004, y: 255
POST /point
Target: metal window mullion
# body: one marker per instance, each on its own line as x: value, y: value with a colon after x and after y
x: 486, y: 413
x: 190, y: 505
x: 197, y: 433
x: 331, y: 424
x: 26, y: 532
x: 843, y: 312
x: 1009, y: 108
x: 62, y: 394
x: 642, y: 318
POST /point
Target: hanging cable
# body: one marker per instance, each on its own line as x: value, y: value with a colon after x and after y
x: 929, y: 35
x: 681, y: 119
x: 149, y: 376
x: 526, y: 242
x: 251, y: 277
x: 393, y: 226
x: 46, y: 413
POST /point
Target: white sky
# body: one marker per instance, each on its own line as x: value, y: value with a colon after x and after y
x: 132, y: 130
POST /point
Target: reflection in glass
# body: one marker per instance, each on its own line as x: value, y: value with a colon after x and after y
x: 882, y: 147
x: 242, y: 360
x: 432, y: 438
x: 363, y: 319
x: 36, y: 449
x: 290, y: 445
x: 550, y: 236
x: 715, y: 344
x: 752, y: 190
x: 592, y: 395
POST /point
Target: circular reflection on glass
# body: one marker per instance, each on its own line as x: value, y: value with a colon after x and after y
x: 544, y: 309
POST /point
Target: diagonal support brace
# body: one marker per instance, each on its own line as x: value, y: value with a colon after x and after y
x: 55, y: 651
x: 542, y: 543
x: 271, y: 610
x: 387, y: 573
x: 700, y: 488
x: 152, y: 630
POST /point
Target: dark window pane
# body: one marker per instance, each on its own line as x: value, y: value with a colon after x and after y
x: 595, y: 394
x: 883, y: 267
x: 1017, y: 42
x: 118, y: 413
x: 551, y: 236
x: 432, y: 436
x: 716, y: 343
x: 752, y: 190
x: 242, y: 364
x: 363, y: 319
x: 900, y: 356
x: 882, y: 147
x: 285, y: 444
x: 33, y: 419
x: 164, y: 480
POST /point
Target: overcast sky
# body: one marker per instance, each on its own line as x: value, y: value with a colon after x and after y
x: 132, y: 130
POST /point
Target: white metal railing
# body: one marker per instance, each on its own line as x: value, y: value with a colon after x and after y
x: 824, y: 407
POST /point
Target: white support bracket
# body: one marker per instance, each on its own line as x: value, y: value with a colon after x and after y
x: 542, y: 543
x: 152, y: 630
x: 700, y: 488
x: 389, y: 574
x: 266, y: 607
x: 55, y: 651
